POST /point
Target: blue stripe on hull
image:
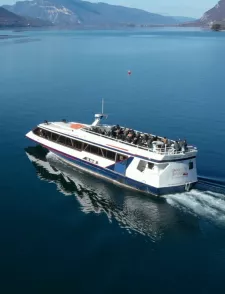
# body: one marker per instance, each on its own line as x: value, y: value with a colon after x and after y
x: 120, y: 179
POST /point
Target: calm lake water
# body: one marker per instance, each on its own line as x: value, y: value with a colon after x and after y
x: 63, y: 231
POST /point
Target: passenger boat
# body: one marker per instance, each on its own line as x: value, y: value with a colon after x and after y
x: 133, y: 159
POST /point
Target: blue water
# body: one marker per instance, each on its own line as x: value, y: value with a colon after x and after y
x: 63, y: 231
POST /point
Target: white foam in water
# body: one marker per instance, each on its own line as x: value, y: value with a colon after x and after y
x: 208, y: 205
x: 51, y: 155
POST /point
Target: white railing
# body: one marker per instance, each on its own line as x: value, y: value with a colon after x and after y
x: 172, y: 151
x: 161, y: 151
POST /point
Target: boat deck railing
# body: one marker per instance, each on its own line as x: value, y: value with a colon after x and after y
x: 162, y: 151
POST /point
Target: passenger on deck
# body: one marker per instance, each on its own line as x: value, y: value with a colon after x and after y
x: 145, y: 137
x: 139, y: 141
x: 136, y: 138
x: 180, y: 143
x: 125, y: 133
x: 183, y: 145
x: 113, y: 131
x: 149, y: 142
x: 176, y: 146
x: 130, y: 136
x: 135, y: 141
x: 119, y: 133
x: 165, y: 142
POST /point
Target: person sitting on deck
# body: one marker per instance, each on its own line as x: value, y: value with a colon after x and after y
x: 155, y: 138
x: 130, y: 136
x: 165, y: 142
x: 145, y: 137
x: 113, y: 131
x: 135, y: 140
x: 119, y: 133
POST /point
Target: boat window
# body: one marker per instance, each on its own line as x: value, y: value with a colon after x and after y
x: 59, y: 139
x: 46, y: 134
x: 102, y: 152
x: 62, y: 140
x: 95, y: 150
x: 150, y: 165
x: 37, y: 131
x: 92, y: 149
x: 69, y: 142
x: 141, y: 165
x: 120, y: 157
x: 99, y: 151
x: 77, y: 144
x: 110, y: 155
x: 87, y: 148
x: 55, y: 137
x: 191, y: 165
x: 42, y: 133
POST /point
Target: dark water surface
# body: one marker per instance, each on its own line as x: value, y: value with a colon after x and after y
x: 63, y: 231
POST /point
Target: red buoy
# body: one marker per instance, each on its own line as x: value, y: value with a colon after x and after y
x: 129, y: 72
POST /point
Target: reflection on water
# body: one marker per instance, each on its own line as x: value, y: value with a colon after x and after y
x: 26, y: 40
x: 134, y: 212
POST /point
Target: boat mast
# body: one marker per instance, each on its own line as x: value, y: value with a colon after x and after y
x: 99, y: 117
x: 102, y: 106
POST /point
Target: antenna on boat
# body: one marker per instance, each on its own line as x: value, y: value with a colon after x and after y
x: 102, y: 106
x: 99, y: 117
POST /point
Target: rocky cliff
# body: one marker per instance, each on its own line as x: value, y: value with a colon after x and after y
x: 216, y: 14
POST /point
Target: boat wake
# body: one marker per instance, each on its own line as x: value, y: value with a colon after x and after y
x: 207, y: 201
x: 134, y: 212
x: 205, y: 204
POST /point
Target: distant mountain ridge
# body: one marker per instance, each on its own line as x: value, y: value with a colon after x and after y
x: 183, y: 19
x: 45, y: 10
x: 77, y: 12
x: 10, y: 19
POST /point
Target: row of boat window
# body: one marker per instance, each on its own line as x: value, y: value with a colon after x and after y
x: 75, y: 144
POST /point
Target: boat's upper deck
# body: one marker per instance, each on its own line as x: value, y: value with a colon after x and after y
x: 124, y: 139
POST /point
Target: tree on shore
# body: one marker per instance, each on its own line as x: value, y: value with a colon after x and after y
x: 216, y: 27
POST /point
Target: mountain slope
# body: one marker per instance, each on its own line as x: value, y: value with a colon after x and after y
x: 45, y: 10
x: 217, y: 13
x: 72, y: 12
x: 10, y: 19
